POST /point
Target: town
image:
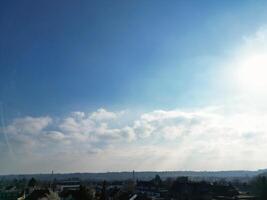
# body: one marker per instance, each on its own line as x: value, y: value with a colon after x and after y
x: 172, y: 188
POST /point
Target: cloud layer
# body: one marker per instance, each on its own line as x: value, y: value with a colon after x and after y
x: 207, y: 138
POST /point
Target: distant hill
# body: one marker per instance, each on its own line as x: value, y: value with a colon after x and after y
x: 145, y: 175
x: 263, y: 173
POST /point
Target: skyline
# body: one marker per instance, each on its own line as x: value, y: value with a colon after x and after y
x: 95, y: 86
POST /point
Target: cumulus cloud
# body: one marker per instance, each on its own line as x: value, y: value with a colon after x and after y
x: 28, y: 125
x: 23, y: 133
x: 92, y: 127
x: 77, y: 128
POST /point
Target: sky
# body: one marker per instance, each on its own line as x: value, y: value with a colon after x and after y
x: 96, y: 86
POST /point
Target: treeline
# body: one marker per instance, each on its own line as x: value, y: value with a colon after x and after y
x: 259, y: 187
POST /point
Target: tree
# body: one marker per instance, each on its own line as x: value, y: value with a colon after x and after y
x: 103, y: 191
x: 86, y: 193
x: 157, y: 180
x: 32, y: 182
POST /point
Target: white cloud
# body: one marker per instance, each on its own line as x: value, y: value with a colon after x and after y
x: 28, y: 125
x: 23, y: 133
x: 172, y: 132
x: 55, y: 136
x: 143, y: 128
x: 77, y: 128
x: 103, y: 115
x: 91, y: 127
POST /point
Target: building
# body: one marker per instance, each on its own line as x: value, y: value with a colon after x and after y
x: 68, y: 185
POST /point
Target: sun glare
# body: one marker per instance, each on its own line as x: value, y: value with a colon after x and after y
x: 251, y: 74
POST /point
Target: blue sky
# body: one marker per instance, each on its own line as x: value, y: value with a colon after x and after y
x: 97, y: 53
x: 138, y: 58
